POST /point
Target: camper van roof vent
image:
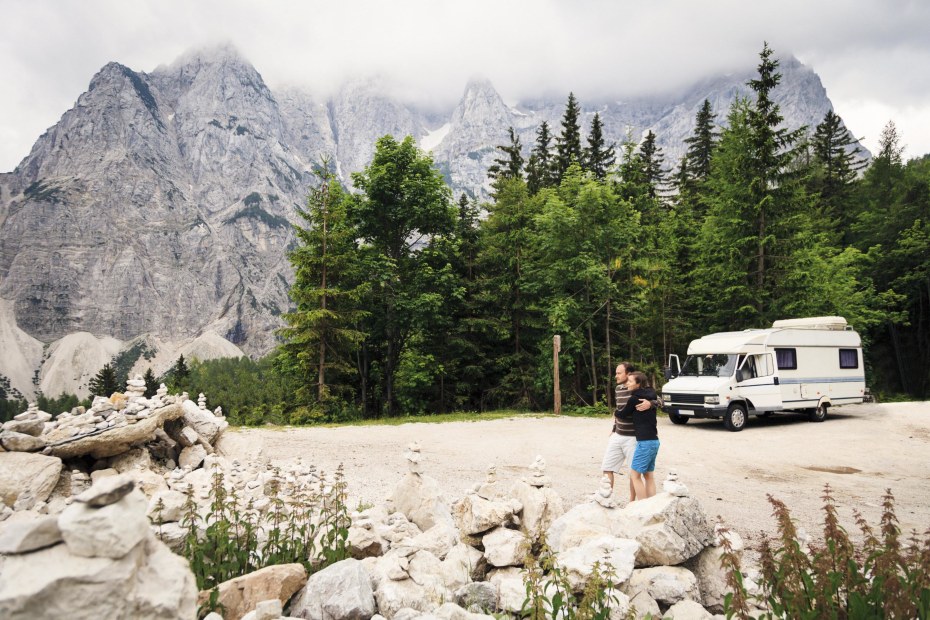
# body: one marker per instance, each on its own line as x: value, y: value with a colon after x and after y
x: 837, y: 323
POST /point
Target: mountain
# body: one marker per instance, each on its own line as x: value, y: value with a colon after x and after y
x: 161, y: 204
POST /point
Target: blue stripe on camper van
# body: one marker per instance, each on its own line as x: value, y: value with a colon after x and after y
x: 783, y: 380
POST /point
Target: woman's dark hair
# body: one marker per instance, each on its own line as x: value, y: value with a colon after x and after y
x: 640, y: 379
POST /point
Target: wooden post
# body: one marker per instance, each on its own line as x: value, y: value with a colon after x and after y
x: 556, y: 393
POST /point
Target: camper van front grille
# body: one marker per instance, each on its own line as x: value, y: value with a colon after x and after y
x: 694, y: 399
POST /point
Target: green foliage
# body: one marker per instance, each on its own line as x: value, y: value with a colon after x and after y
x: 884, y: 579
x: 305, y: 523
x: 105, y: 382
x: 549, y: 594
x: 178, y: 376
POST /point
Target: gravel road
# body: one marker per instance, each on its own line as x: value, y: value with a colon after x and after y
x: 860, y: 451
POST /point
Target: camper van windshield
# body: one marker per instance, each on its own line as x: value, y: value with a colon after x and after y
x: 714, y: 365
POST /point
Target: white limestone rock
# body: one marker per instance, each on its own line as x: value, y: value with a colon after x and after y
x: 28, y: 535
x: 540, y: 507
x: 192, y: 456
x: 578, y: 562
x: 462, y: 565
x: 147, y: 582
x: 106, y: 491
x: 474, y: 514
x: 171, y: 508
x: 27, y: 427
x: 505, y: 547
x: 687, y: 610
x: 204, y: 422
x: 711, y: 577
x: 107, y: 532
x: 670, y: 530
x: 666, y: 584
x: 13, y: 441
x: 421, y: 500
x: 510, y: 587
x: 340, y: 591
x: 21, y: 472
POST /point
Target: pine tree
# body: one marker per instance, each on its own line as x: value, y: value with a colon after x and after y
x: 568, y: 144
x: 598, y: 158
x: 539, y: 166
x: 321, y: 336
x: 151, y: 383
x: 701, y: 143
x: 510, y: 165
x: 837, y: 162
x: 651, y: 162
x: 104, y: 382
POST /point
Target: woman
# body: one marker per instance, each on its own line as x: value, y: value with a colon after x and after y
x: 642, y: 473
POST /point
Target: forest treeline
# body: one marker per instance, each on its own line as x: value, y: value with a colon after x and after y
x: 409, y: 301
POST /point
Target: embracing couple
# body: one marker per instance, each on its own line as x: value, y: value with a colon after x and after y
x: 634, y: 439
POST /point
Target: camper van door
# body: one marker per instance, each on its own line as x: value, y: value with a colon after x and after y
x: 759, y: 384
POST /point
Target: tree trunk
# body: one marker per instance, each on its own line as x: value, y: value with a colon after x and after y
x: 610, y: 366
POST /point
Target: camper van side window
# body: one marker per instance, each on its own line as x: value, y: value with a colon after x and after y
x: 786, y: 359
x: 764, y: 364
x: 848, y: 358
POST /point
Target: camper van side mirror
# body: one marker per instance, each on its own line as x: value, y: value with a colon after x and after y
x: 668, y: 372
x: 739, y: 376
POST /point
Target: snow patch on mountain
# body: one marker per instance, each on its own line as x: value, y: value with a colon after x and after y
x: 435, y: 137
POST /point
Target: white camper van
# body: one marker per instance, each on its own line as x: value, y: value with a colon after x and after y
x: 803, y: 365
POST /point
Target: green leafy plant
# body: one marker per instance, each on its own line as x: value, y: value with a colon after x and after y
x: 883, y: 579
x: 304, y: 522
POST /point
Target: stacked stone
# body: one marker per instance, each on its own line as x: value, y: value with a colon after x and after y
x: 538, y: 477
x: 99, y: 545
x: 23, y: 432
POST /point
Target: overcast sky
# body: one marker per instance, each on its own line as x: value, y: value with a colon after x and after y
x: 872, y: 55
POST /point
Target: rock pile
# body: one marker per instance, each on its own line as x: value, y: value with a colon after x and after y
x: 97, y: 559
x: 91, y: 536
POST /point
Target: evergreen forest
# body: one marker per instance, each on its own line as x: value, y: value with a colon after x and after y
x: 409, y: 300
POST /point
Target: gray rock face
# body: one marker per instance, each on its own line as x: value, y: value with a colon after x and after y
x: 162, y: 203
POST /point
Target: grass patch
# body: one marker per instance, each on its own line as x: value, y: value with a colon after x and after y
x: 461, y: 416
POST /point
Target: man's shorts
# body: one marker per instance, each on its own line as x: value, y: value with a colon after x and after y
x: 644, y: 459
x: 619, y: 452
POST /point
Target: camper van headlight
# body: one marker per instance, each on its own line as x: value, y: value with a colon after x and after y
x: 666, y: 397
x: 712, y: 400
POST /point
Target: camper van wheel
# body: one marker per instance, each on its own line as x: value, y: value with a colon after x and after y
x: 677, y: 419
x: 819, y: 414
x: 735, y: 418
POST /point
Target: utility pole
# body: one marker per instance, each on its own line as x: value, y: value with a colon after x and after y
x: 556, y: 393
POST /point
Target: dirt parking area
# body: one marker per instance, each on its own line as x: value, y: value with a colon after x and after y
x: 860, y: 451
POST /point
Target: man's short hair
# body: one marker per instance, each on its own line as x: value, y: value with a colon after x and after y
x: 629, y: 367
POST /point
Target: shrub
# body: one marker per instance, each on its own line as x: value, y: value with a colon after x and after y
x: 882, y: 579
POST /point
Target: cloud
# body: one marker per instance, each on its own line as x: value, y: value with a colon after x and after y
x: 869, y: 53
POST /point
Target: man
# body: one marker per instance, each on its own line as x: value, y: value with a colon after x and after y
x: 622, y: 442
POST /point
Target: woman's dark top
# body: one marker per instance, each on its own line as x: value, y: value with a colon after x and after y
x: 644, y: 421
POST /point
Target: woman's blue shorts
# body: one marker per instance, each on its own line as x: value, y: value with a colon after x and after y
x: 644, y: 459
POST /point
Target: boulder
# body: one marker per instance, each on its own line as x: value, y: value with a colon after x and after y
x: 451, y: 611
x: 241, y: 594
x: 135, y: 459
x: 20, y: 442
x: 504, y: 547
x: 26, y: 427
x: 421, y: 500
x: 171, y: 509
x: 106, y: 491
x: 192, y: 456
x: 29, y: 535
x: 462, y: 565
x: 510, y: 588
x: 669, y: 529
x: 541, y: 507
x: 204, y: 422
x: 20, y: 472
x: 115, y: 440
x: 266, y: 610
x: 474, y: 514
x: 477, y: 597
x: 582, y: 523
x: 665, y: 584
x: 687, y: 610
x: 147, y: 583
x: 578, y: 562
x: 645, y: 606
x: 437, y: 540
x: 107, y: 532
x: 341, y: 591
x: 711, y: 576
